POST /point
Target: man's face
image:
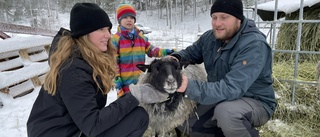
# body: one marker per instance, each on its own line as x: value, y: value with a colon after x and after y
x: 224, y: 25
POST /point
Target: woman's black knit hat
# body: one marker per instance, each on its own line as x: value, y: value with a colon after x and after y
x: 232, y: 7
x: 87, y: 17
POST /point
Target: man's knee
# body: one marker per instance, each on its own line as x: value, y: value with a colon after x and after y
x: 235, y: 118
x: 224, y: 112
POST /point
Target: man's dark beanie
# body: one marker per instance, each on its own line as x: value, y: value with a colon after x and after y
x: 86, y: 18
x: 232, y: 7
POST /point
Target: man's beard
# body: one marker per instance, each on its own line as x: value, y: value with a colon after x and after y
x: 227, y: 35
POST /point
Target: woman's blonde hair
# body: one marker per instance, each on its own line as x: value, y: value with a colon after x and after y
x: 102, y: 63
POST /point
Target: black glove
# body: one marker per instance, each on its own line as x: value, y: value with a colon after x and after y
x: 145, y: 93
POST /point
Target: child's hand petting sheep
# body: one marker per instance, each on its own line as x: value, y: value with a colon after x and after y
x: 145, y: 93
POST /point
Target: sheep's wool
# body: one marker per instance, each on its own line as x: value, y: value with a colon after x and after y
x: 161, y: 120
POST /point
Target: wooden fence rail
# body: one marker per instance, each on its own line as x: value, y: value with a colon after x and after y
x: 23, y: 64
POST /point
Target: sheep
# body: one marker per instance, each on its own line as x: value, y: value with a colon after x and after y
x: 318, y: 75
x: 165, y: 75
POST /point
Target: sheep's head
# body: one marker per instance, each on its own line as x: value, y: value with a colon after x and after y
x: 164, y: 74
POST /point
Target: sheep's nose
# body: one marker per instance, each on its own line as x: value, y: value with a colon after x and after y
x: 170, y: 79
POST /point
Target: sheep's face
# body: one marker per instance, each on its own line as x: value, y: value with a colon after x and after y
x: 165, y: 74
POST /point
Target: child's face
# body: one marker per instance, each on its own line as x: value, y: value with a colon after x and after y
x: 127, y: 22
x: 100, y: 38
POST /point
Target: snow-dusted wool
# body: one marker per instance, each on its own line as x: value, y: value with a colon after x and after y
x: 318, y: 70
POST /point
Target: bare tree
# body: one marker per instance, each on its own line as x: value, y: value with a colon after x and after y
x: 146, y: 6
x: 170, y: 15
x: 50, y: 20
x: 151, y: 11
x: 167, y: 12
x: 194, y: 9
x: 160, y: 9
x: 175, y: 12
x: 182, y: 10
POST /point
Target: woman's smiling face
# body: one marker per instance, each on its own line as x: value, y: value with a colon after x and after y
x: 100, y: 38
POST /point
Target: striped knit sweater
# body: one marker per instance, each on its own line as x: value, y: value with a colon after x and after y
x: 129, y: 54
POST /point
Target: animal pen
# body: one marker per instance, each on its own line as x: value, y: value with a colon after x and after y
x: 295, y: 40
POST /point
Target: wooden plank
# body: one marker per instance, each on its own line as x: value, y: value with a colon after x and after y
x: 15, y: 63
x: 9, y: 54
x: 6, y: 27
x: 16, y: 44
x: 4, y: 35
x: 21, y: 88
x: 33, y: 70
x: 10, y: 64
x: 14, y: 54
x: 39, y: 57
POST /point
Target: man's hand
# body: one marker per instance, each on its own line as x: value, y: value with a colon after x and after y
x: 145, y: 93
x: 173, y: 57
x: 184, y: 84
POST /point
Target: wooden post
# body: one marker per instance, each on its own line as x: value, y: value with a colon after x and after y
x: 47, y: 48
x: 4, y: 35
x: 5, y: 90
x: 24, y: 54
x: 36, y: 81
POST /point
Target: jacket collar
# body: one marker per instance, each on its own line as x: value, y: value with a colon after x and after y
x: 125, y: 33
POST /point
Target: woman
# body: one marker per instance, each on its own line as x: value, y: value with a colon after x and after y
x: 72, y: 100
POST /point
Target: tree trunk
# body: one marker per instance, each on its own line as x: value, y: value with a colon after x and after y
x: 175, y: 13
x: 151, y: 8
x: 170, y: 11
x: 140, y: 3
x: 159, y: 10
x: 193, y: 16
x: 167, y: 12
x: 182, y: 10
x: 49, y: 15
x: 146, y: 5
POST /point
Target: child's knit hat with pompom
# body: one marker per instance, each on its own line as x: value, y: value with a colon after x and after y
x: 125, y: 10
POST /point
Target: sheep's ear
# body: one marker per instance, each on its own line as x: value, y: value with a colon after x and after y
x: 143, y: 67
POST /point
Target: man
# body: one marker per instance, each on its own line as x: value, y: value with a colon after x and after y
x: 238, y: 95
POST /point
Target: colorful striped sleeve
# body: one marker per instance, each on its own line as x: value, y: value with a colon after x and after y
x: 115, y: 42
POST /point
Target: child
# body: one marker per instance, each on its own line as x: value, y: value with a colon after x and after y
x: 131, y: 48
